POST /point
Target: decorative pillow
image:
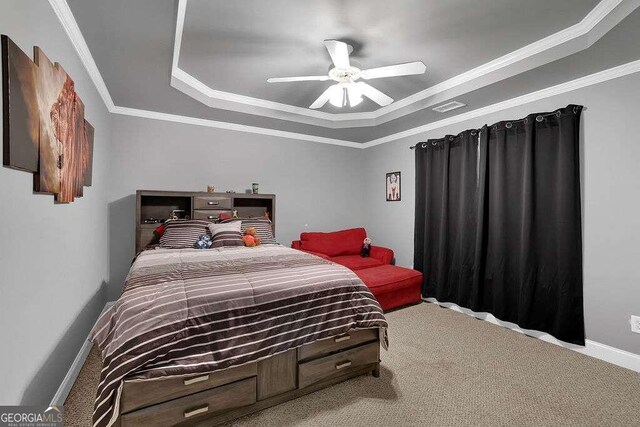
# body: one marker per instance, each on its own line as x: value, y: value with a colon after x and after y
x: 181, y: 234
x: 160, y: 229
x: 226, y: 235
x: 264, y: 229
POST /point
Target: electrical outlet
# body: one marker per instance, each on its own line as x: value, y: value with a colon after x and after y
x: 635, y: 324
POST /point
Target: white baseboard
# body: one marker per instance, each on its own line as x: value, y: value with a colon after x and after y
x: 74, y: 370
x: 600, y: 351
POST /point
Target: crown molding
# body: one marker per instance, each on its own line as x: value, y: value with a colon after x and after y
x: 67, y: 20
x: 579, y: 83
x: 155, y: 115
x: 575, y: 38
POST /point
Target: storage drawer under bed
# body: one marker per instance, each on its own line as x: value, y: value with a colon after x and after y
x: 188, y: 409
x: 139, y: 394
x: 337, y: 343
x: 319, y: 369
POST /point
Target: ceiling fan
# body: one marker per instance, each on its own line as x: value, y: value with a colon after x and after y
x: 348, y: 91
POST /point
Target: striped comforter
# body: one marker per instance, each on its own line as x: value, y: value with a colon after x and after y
x: 188, y: 311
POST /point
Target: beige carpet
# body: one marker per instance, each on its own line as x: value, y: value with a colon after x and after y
x: 446, y: 368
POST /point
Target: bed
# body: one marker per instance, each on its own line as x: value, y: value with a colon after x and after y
x: 200, y: 337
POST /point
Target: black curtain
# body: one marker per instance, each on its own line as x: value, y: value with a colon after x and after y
x: 498, y: 223
x: 446, y: 226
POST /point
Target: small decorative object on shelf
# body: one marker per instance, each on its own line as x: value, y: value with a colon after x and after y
x: 254, y: 187
x: 234, y: 213
x: 230, y: 192
x: 177, y: 214
x: 266, y: 214
x: 211, y: 188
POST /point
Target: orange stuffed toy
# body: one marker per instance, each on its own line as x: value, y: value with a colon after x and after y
x: 250, y: 238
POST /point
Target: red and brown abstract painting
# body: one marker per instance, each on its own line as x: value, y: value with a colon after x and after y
x: 41, y: 102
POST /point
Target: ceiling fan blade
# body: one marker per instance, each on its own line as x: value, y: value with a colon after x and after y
x: 339, y: 53
x: 322, y: 99
x: 406, y: 69
x: 374, y: 94
x: 297, y: 79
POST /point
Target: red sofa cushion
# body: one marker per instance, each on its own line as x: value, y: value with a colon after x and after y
x: 336, y: 243
x: 356, y: 262
x: 392, y: 286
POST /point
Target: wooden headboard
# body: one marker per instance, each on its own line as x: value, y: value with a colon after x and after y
x: 158, y: 206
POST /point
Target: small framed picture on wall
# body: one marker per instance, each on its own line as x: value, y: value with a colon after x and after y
x: 393, y: 187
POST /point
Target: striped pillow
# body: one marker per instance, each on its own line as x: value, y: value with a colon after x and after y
x: 263, y: 227
x: 181, y: 234
x: 226, y: 235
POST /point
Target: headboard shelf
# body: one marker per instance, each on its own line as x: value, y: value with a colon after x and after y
x: 154, y: 205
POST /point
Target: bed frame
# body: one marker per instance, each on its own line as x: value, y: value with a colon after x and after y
x: 221, y: 396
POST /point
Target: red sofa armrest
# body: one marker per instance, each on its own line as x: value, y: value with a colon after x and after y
x: 296, y: 244
x: 382, y: 254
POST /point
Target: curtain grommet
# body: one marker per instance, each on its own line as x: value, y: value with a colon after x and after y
x: 575, y: 110
x: 526, y: 120
x: 473, y: 133
x: 424, y: 144
x: 508, y: 125
x: 539, y: 119
x: 451, y: 138
x: 434, y: 143
x: 558, y: 113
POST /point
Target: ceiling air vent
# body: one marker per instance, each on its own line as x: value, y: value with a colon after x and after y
x: 448, y: 106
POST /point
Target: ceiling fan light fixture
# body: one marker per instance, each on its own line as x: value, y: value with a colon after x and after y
x: 338, y: 96
x: 355, y: 94
x: 348, y: 92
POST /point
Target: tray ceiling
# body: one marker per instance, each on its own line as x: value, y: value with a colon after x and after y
x: 143, y: 50
x: 235, y: 46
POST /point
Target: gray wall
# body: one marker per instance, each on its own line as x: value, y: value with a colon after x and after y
x: 611, y: 186
x: 318, y: 186
x: 54, y: 257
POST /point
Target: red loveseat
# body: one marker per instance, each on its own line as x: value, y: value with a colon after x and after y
x: 392, y: 286
x: 343, y: 247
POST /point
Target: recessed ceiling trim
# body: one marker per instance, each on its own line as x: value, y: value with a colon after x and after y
x: 67, y: 20
x: 579, y: 83
x: 575, y: 38
x: 185, y: 82
x: 156, y: 115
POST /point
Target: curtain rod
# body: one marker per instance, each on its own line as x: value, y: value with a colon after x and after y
x: 539, y: 118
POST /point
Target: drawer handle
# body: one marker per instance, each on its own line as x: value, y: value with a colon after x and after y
x: 342, y: 338
x: 196, y: 411
x: 196, y: 380
x: 343, y: 364
x: 213, y: 203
